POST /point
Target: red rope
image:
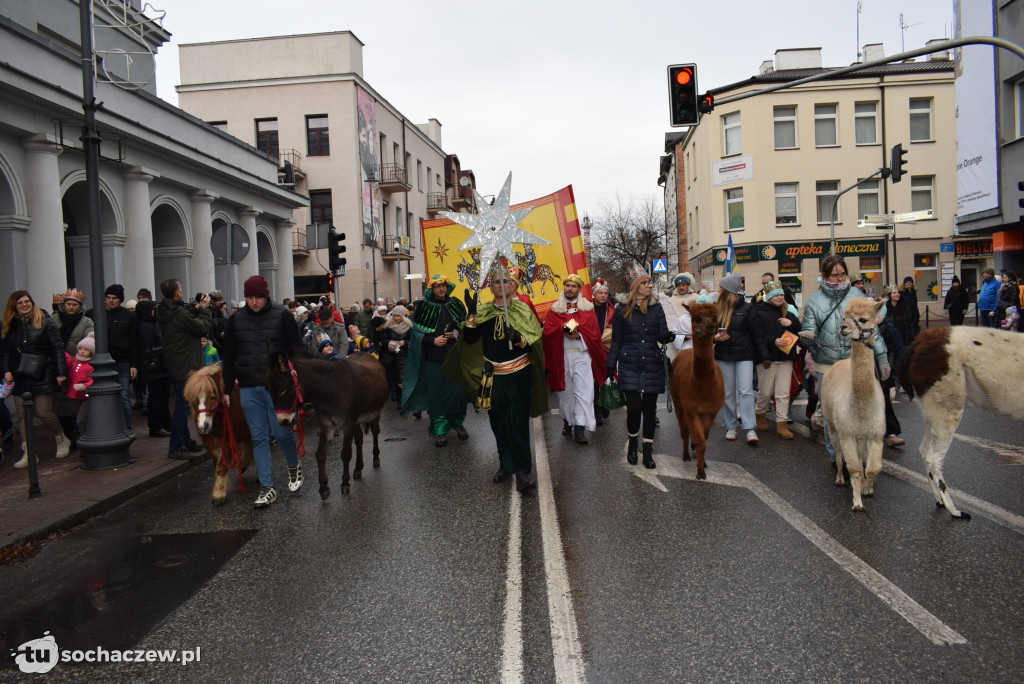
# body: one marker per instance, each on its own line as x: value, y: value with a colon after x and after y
x: 229, y: 439
x: 300, y: 413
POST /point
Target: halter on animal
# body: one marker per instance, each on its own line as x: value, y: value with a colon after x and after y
x: 862, y: 334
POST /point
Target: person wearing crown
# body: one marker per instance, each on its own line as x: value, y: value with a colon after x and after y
x: 575, y: 357
x: 500, y: 360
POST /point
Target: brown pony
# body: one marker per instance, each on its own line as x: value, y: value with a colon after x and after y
x: 203, y: 391
x: 347, y: 394
x: 698, y: 391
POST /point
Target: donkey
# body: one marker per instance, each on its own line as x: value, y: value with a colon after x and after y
x: 698, y: 391
x: 852, y: 401
x: 347, y: 395
x: 949, y: 368
x: 224, y: 431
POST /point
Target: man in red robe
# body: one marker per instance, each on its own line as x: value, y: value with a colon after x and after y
x: 575, y: 357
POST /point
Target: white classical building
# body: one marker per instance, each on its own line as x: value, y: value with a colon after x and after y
x: 168, y: 181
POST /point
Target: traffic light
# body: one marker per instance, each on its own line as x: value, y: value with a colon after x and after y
x: 897, y: 162
x: 682, y: 95
x: 707, y: 103
x: 330, y: 281
x: 336, y: 247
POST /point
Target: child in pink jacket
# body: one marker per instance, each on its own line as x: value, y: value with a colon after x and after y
x: 80, y: 373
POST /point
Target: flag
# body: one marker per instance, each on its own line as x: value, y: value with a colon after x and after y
x: 730, y: 258
x: 544, y: 266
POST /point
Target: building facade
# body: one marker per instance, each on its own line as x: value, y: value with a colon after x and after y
x: 765, y: 171
x: 368, y: 170
x: 169, y: 184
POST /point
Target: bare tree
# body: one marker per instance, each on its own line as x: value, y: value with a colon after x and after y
x: 626, y: 233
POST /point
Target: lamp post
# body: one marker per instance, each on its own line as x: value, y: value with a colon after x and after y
x: 398, y: 267
x: 373, y: 237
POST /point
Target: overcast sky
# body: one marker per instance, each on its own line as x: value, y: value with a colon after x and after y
x: 556, y: 92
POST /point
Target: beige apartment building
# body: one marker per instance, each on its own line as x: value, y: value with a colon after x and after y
x: 366, y: 168
x: 765, y: 171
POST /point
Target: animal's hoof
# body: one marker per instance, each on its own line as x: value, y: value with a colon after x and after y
x: 939, y: 504
x: 344, y: 489
x: 357, y: 474
x: 686, y: 456
x: 376, y: 462
x: 858, y: 507
x: 867, y: 495
x: 963, y: 516
x: 702, y: 476
x: 218, y: 502
x: 325, y: 492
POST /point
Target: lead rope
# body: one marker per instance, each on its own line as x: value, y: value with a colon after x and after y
x: 229, y: 439
x: 297, y: 407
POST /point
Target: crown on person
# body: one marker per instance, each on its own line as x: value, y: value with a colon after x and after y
x: 635, y: 272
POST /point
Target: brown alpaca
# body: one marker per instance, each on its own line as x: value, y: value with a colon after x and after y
x: 852, y: 401
x: 697, y: 388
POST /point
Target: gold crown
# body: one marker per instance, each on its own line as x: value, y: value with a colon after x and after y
x: 635, y: 272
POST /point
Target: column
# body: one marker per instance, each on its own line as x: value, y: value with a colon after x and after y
x: 45, y: 267
x: 285, y: 265
x: 203, y: 278
x: 137, y: 255
x: 250, y: 265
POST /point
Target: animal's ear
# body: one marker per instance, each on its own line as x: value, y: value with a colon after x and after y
x: 880, y: 311
x: 686, y: 307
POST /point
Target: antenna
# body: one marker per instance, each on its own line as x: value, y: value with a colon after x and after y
x: 860, y: 8
x: 903, y: 32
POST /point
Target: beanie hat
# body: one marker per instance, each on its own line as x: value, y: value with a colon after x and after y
x: 399, y: 310
x: 991, y: 271
x: 117, y: 290
x: 633, y: 276
x: 682, y: 278
x: 301, y: 310
x: 131, y: 304
x: 323, y: 343
x: 908, y: 279
x: 324, y: 314
x: 731, y: 283
x: 88, y: 342
x: 143, y: 292
x: 956, y: 280
x: 256, y: 286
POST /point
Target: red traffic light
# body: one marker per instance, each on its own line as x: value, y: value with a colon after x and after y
x: 684, y: 77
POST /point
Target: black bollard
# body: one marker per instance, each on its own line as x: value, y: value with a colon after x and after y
x: 29, y: 407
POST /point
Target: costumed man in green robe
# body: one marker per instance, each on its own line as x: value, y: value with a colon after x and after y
x: 435, y: 329
x: 501, y: 361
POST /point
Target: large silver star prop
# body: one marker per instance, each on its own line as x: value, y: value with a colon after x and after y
x: 494, y: 228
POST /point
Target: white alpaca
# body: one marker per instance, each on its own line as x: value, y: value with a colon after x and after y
x: 853, y: 403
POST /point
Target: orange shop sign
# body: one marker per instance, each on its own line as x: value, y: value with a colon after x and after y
x: 1008, y: 241
x: 973, y: 249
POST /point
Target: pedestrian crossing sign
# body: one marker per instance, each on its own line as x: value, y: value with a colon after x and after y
x: 660, y: 266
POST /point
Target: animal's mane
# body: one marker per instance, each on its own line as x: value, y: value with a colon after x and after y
x: 861, y: 306
x: 205, y: 382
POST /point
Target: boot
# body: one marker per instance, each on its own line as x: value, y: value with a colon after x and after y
x: 631, y: 449
x: 63, y: 446
x: 782, y: 429
x: 648, y: 455
x: 762, y: 421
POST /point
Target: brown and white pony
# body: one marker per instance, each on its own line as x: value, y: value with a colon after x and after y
x: 698, y: 391
x: 949, y: 368
x: 228, y: 442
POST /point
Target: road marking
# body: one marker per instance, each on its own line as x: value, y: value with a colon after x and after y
x: 983, y: 508
x: 731, y: 474
x: 565, y: 640
x: 512, y: 645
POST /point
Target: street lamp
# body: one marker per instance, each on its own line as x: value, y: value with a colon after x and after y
x: 373, y: 236
x: 398, y: 266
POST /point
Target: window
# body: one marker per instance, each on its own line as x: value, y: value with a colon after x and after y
x: 867, y: 199
x: 921, y: 192
x: 438, y: 180
x: 734, y: 208
x: 825, y: 194
x: 732, y: 134
x: 865, y: 122
x: 926, y: 278
x: 419, y: 175
x: 321, y: 211
x: 430, y: 174
x: 1018, y: 103
x: 785, y: 128
x: 222, y: 125
x: 695, y: 234
x: 871, y: 270
x: 920, y: 119
x: 266, y: 136
x: 317, y: 141
x: 408, y: 226
x: 398, y: 221
x: 825, y: 127
x: 398, y: 154
x: 383, y: 149
x: 786, y: 204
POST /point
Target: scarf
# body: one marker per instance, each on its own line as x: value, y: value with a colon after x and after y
x: 68, y: 323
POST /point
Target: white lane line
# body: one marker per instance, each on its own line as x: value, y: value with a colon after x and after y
x: 512, y: 645
x: 731, y: 474
x: 565, y: 639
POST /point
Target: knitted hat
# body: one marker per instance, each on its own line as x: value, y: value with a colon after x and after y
x: 301, y: 311
x: 323, y: 343
x: 117, y: 290
x: 908, y: 279
x: 131, y: 304
x: 382, y: 310
x: 731, y: 283
x: 990, y: 271
x: 256, y: 286
x: 599, y: 284
x: 682, y: 278
x: 634, y: 274
x: 88, y: 342
x: 143, y: 292
x: 399, y: 310
x: 956, y: 280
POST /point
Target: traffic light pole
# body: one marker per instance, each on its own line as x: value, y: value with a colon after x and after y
x: 880, y: 173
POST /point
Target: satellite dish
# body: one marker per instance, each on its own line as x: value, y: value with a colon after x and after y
x: 464, y: 181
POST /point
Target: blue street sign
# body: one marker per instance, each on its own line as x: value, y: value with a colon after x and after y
x: 660, y: 266
x: 946, y: 247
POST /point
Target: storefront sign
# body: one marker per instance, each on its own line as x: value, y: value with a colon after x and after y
x: 705, y: 261
x: 790, y: 266
x: 734, y: 170
x: 803, y: 250
x: 871, y: 263
x: 1008, y: 240
x: 974, y: 249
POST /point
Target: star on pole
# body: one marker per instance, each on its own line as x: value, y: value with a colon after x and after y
x: 495, y: 228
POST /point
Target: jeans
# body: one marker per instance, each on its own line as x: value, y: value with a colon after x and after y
x: 124, y: 378
x: 259, y: 414
x: 828, y: 440
x: 738, y: 377
x: 988, y: 319
x: 180, y: 438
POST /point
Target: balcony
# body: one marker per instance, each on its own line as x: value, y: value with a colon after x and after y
x: 390, y: 251
x: 394, y: 178
x: 437, y: 202
x: 462, y: 196
x: 284, y: 158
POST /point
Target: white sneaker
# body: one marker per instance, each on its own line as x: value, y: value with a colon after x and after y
x: 63, y: 446
x: 751, y: 436
x: 268, y: 495
x: 23, y: 462
x: 294, y: 478
x: 730, y: 435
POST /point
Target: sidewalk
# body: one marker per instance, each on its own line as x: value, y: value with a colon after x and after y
x: 71, y: 495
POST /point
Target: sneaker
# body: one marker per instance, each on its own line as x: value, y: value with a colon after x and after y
x: 23, y: 461
x: 196, y: 448
x: 63, y: 446
x: 273, y: 440
x: 294, y: 478
x: 181, y: 455
x: 730, y: 435
x: 894, y: 441
x: 751, y: 436
x: 461, y: 432
x: 267, y: 496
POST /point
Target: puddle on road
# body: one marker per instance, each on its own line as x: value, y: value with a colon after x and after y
x: 117, y: 602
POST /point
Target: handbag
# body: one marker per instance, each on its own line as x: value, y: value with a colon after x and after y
x: 31, y: 365
x: 153, y: 364
x: 610, y: 396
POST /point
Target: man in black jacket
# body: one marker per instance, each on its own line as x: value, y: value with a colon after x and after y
x: 182, y: 326
x: 246, y: 358
x: 122, y: 343
x: 218, y: 307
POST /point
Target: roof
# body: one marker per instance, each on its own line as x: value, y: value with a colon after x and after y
x: 772, y: 77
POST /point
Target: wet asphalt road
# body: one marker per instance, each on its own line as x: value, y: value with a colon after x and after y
x: 760, y: 573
